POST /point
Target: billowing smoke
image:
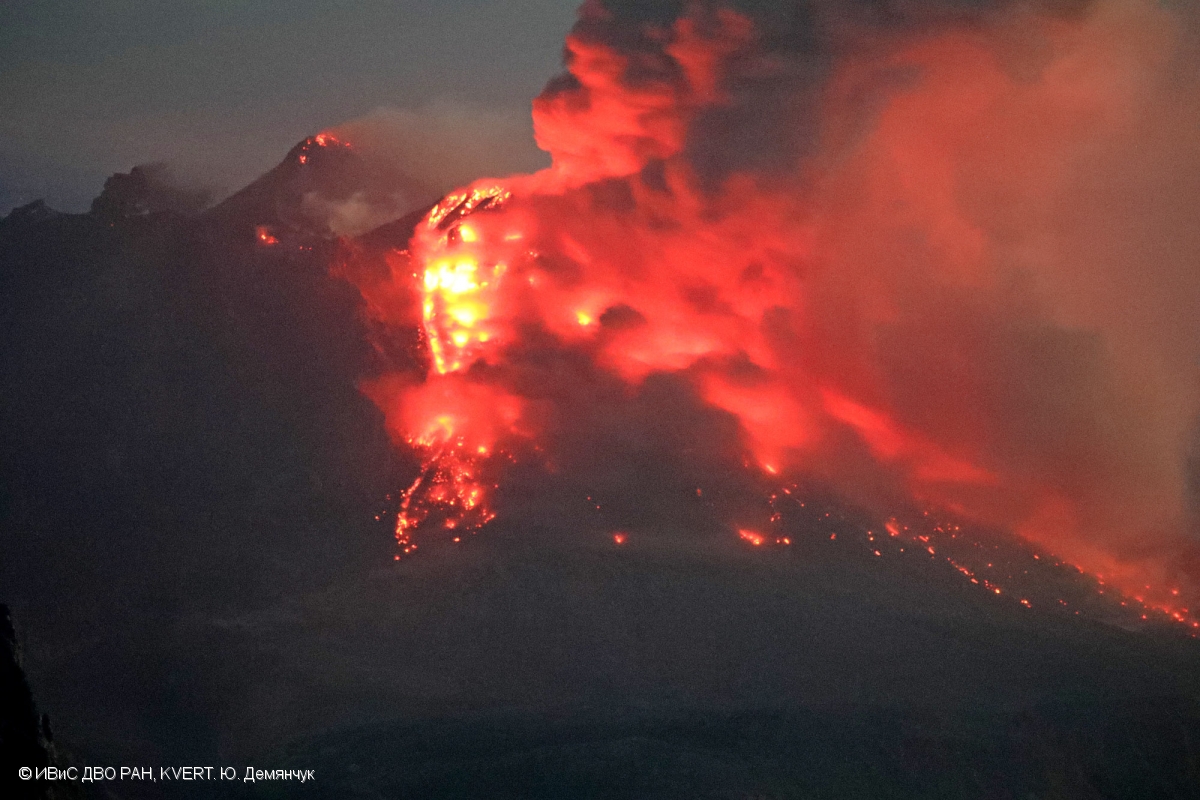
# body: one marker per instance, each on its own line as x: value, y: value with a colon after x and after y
x: 435, y: 148
x: 939, y: 253
x: 447, y: 144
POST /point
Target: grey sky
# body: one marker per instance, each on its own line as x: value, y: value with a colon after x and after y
x: 224, y: 87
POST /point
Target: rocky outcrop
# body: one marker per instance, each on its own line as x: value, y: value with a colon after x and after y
x: 25, y: 737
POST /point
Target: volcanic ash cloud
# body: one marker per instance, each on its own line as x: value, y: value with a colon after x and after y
x: 933, y: 255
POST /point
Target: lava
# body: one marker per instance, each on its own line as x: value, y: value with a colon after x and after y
x: 999, y: 568
x: 854, y: 319
x: 756, y: 539
x: 454, y: 427
x: 320, y: 140
x: 448, y: 487
x: 461, y: 281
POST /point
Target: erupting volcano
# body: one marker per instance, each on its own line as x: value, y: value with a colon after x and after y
x: 815, y: 415
x: 870, y: 295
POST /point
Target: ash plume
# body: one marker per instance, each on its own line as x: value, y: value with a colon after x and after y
x: 436, y: 147
x: 938, y: 254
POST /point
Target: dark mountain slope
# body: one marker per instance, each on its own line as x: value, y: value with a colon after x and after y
x: 181, y: 432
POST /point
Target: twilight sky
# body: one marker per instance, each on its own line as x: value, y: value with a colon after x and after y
x: 222, y: 88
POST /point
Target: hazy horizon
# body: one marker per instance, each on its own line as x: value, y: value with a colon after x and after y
x: 221, y: 91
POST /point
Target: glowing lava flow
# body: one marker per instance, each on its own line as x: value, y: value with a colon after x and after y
x: 459, y: 287
x: 451, y: 422
x: 320, y: 140
x: 843, y: 316
x: 448, y: 488
x: 1027, y: 577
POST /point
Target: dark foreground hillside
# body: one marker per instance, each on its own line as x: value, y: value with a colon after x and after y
x: 1143, y: 750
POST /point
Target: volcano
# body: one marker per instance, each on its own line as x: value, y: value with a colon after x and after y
x: 772, y: 442
x: 181, y: 585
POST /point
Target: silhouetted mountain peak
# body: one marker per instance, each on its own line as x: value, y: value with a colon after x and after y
x: 148, y: 189
x: 30, y: 214
x: 323, y: 187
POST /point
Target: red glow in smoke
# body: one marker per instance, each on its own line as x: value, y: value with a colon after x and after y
x: 848, y: 316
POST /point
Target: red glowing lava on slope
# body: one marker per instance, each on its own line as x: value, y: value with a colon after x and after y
x: 320, y: 140
x: 845, y: 308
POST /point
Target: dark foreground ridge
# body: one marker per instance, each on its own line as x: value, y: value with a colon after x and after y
x: 1083, y: 749
x: 25, y: 736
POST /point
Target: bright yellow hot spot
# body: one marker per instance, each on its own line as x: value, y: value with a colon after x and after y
x: 456, y: 278
x: 453, y: 309
x: 467, y: 314
x: 583, y: 317
x: 439, y: 429
x: 468, y: 234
